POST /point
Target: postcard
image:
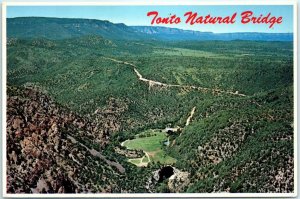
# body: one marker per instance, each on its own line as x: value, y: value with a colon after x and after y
x: 149, y: 100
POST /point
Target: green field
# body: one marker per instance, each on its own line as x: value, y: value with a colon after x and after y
x: 152, y: 145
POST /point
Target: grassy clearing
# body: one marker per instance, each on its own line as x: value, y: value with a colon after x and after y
x: 135, y: 161
x: 152, y: 145
x: 145, y: 159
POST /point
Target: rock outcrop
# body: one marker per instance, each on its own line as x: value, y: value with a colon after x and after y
x: 41, y: 158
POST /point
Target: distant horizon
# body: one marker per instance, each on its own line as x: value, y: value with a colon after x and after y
x: 160, y: 26
x: 137, y: 15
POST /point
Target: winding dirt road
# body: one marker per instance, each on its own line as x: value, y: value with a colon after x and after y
x: 188, y: 120
x: 156, y: 83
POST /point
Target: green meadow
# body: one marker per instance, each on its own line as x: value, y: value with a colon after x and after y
x: 152, y: 145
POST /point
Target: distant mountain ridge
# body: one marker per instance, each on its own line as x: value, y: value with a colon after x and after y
x: 62, y: 28
x: 179, y: 34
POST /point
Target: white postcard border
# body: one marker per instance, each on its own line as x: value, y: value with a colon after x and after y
x: 141, y: 3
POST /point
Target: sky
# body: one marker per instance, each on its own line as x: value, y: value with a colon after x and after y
x: 137, y: 15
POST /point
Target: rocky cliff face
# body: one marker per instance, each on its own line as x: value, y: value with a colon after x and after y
x: 175, y: 179
x: 41, y: 157
x: 178, y: 181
